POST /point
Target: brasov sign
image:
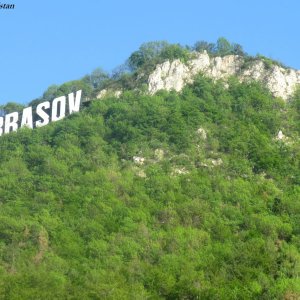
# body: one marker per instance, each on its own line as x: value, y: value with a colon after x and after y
x: 45, y: 113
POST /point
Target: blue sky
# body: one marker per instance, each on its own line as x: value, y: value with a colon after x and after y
x: 51, y: 42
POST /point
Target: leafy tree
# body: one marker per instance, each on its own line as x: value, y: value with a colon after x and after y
x: 200, y: 46
x: 97, y: 78
x: 146, y: 53
x: 223, y: 46
x: 11, y: 107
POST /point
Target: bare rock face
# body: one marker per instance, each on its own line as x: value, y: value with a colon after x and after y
x: 179, y: 171
x: 280, y: 136
x: 282, y: 82
x: 283, y: 138
x: 138, y: 160
x: 108, y: 92
x: 159, y: 154
x: 175, y: 75
x: 168, y: 76
x: 102, y: 94
x: 202, y: 133
x: 217, y: 162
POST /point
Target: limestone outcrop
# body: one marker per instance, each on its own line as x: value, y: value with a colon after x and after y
x: 176, y: 74
x: 108, y: 92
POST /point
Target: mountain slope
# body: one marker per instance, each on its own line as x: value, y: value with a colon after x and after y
x: 170, y: 196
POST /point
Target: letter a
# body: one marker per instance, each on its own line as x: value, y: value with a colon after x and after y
x: 27, y: 117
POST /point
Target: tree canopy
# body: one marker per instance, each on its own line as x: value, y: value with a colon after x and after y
x: 171, y: 196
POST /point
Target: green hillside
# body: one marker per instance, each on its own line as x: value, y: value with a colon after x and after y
x: 173, y: 196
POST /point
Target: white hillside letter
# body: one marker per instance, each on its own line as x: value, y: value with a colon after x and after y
x: 27, y: 117
x: 11, y: 122
x: 1, y: 125
x: 58, y: 108
x: 42, y: 114
x: 74, y: 105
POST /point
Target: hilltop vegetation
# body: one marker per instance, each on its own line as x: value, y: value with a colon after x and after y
x: 171, y: 196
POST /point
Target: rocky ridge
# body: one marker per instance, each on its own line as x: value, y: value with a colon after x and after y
x: 176, y: 74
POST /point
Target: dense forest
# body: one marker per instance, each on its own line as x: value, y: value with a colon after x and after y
x: 185, y: 195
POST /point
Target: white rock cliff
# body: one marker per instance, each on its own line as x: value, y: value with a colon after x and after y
x: 175, y: 75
